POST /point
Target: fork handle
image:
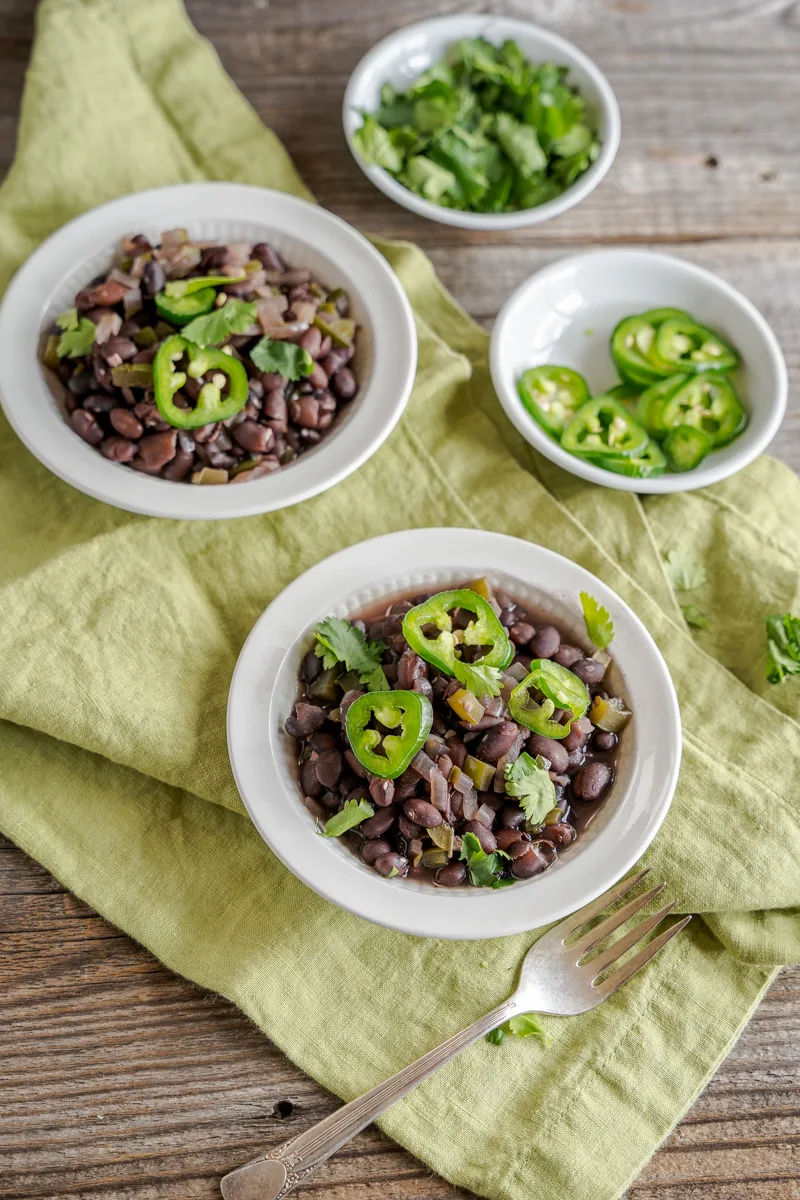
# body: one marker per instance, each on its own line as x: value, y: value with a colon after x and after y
x: 276, y: 1173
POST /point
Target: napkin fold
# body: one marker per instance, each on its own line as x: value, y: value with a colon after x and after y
x: 119, y: 635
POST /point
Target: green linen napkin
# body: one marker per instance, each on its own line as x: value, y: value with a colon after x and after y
x: 119, y: 635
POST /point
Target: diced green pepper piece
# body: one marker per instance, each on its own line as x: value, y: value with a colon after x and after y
x: 480, y: 773
x: 466, y: 706
x: 132, y: 375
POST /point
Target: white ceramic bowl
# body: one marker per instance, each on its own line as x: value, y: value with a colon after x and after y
x: 565, y: 314
x: 404, y: 55
x: 264, y: 688
x: 307, y: 236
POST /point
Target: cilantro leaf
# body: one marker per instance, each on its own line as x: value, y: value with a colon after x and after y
x: 599, y: 625
x: 528, y: 780
x: 694, y: 616
x: 783, y: 646
x: 684, y: 572
x: 523, y: 1025
x: 481, y: 681
x: 235, y: 316
x: 375, y: 146
x: 340, y: 642
x: 483, y: 868
x: 521, y: 145
x: 353, y: 813
x: 429, y: 179
x: 284, y: 358
x: 77, y: 339
x: 68, y: 319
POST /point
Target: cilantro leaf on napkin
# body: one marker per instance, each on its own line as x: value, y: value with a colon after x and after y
x: 235, y: 316
x: 684, y: 572
x: 353, y: 813
x: 338, y: 641
x: 528, y: 780
x: 783, y: 646
x: 522, y: 1025
x: 694, y: 616
x: 284, y: 358
x: 484, y: 869
x: 599, y: 625
x: 77, y: 337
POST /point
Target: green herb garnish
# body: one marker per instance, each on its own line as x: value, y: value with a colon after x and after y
x: 284, y: 358
x: 684, y: 572
x: 235, y: 316
x: 77, y: 336
x: 481, y: 681
x: 523, y: 1025
x: 528, y: 780
x: 599, y: 625
x: 340, y: 642
x: 484, y: 869
x: 694, y: 616
x: 353, y: 813
x: 783, y: 646
x: 485, y: 130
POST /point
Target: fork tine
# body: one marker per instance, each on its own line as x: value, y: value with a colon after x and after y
x: 584, y: 915
x: 615, y: 981
x: 600, y: 932
x: 622, y: 945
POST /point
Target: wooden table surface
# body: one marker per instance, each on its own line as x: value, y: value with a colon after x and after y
x: 131, y: 1083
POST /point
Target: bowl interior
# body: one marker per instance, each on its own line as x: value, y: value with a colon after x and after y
x: 264, y: 688
x: 404, y: 55
x: 566, y: 314
x: 531, y: 596
x: 295, y: 252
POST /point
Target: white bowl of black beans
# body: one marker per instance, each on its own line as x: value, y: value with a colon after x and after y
x: 205, y: 334
x: 301, y: 781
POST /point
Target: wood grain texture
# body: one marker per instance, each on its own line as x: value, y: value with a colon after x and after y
x: 121, y: 1080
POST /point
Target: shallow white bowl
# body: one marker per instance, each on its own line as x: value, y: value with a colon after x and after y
x: 264, y: 688
x: 404, y: 55
x: 307, y: 236
x: 565, y: 314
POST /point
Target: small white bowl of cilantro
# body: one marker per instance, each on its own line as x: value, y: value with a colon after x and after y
x: 480, y: 121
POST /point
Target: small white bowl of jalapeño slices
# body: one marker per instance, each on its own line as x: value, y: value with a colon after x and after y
x: 638, y: 371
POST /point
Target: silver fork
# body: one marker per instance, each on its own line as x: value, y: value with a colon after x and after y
x: 554, y: 978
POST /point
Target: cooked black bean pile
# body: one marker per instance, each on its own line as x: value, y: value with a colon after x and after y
x: 281, y: 420
x: 582, y: 764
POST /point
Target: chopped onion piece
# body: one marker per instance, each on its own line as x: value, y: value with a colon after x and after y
x: 423, y: 765
x: 440, y: 796
x: 485, y: 815
x: 108, y: 326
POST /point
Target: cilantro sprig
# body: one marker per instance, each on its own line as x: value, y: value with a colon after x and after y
x: 235, y: 316
x: 484, y: 869
x: 528, y: 780
x: 77, y: 337
x: 284, y: 358
x: 353, y: 813
x: 684, y: 572
x: 338, y: 641
x: 481, y: 681
x: 523, y: 1025
x: 783, y: 646
x: 599, y: 625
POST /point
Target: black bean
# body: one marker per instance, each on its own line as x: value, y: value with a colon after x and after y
x: 507, y: 837
x: 566, y: 655
x: 153, y: 278
x: 578, y: 736
x: 82, y: 383
x: 589, y: 670
x: 374, y: 848
x: 87, y: 427
x: 410, y: 829
x: 391, y: 864
x: 406, y: 785
x: 305, y: 412
x: 333, y: 362
x: 554, y: 751
x: 309, y: 783
x: 410, y: 669
x: 180, y: 466
x: 117, y: 350
x: 521, y: 633
x: 344, y: 384
x: 269, y: 258
x: 451, y: 875
x: 604, y: 741
x: 574, y: 763
x: 125, y: 423
x: 591, y: 781
x: 562, y: 834
x: 532, y: 862
x: 118, y: 449
x: 258, y: 439
x: 546, y: 642
x: 329, y: 768
x: 380, y: 824
x: 157, y: 449
x: 311, y: 341
x: 498, y: 741
x: 305, y: 720
x: 511, y: 816
x: 355, y: 766
x: 381, y: 791
x: 485, y: 836
x: 422, y: 813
